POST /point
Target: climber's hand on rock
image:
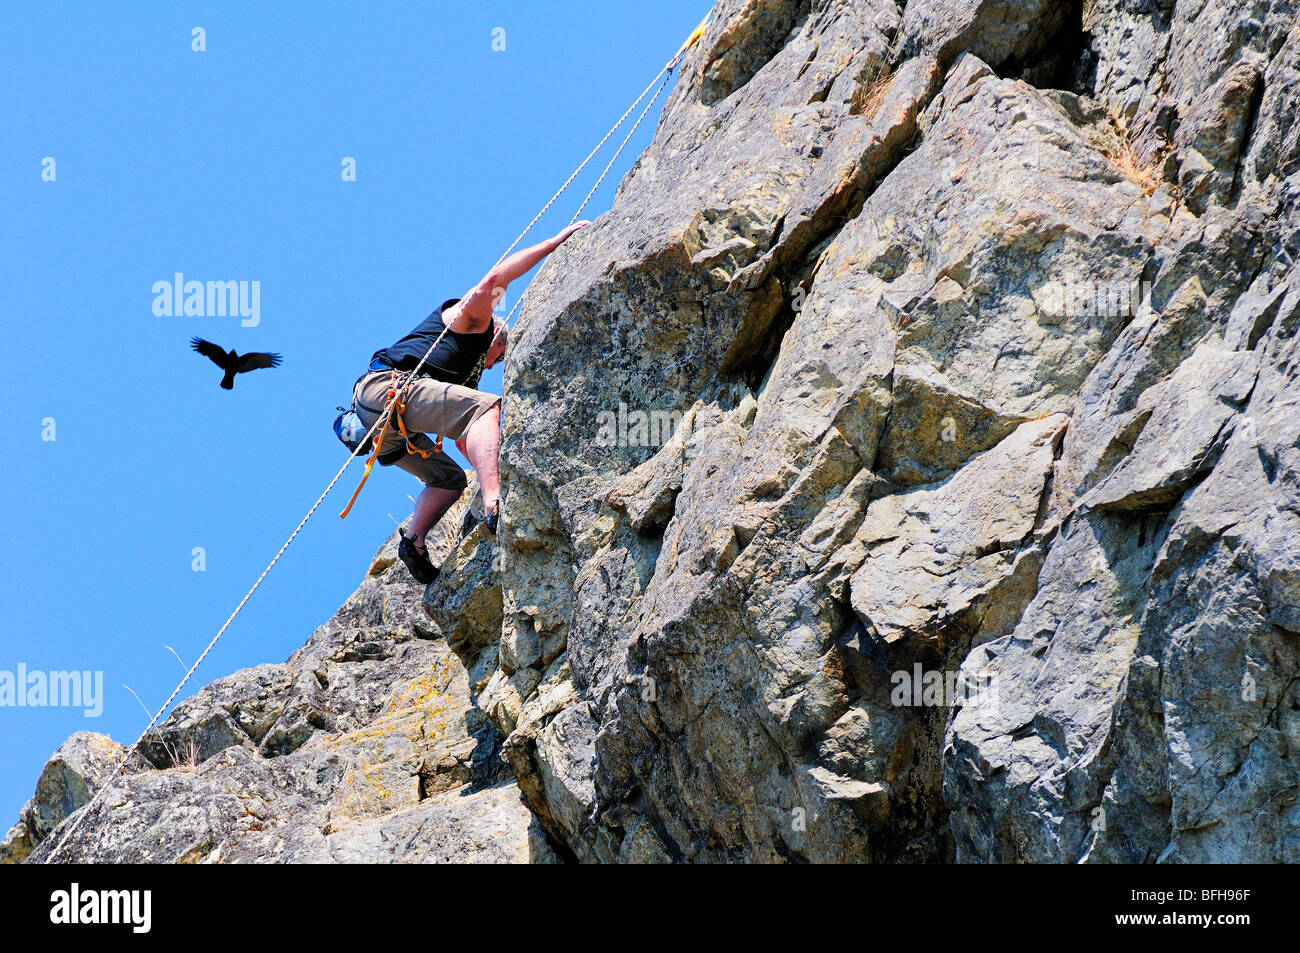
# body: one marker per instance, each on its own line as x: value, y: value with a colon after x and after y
x: 571, y: 229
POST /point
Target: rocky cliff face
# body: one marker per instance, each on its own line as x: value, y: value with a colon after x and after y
x: 977, y: 539
x: 981, y: 319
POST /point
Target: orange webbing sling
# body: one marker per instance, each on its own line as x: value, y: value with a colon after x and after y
x: 396, y: 412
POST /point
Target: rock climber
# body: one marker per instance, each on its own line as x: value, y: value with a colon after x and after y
x: 443, y: 399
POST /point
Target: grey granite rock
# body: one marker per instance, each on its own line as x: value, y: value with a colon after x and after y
x: 951, y: 341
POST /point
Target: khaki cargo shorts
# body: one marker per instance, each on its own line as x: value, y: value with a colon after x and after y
x: 432, y: 406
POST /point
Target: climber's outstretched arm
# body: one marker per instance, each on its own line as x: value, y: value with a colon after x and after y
x: 473, y: 313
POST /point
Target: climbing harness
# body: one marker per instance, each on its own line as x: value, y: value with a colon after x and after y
x: 392, y: 408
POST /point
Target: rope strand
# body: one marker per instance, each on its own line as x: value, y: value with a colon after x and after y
x: 610, y: 164
x: 578, y: 170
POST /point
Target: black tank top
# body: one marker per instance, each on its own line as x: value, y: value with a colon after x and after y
x: 457, y: 359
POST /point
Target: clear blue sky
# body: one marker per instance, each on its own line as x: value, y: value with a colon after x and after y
x: 225, y: 165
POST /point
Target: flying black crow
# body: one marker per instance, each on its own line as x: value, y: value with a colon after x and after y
x: 232, y: 363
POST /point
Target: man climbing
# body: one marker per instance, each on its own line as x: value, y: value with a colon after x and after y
x: 443, y: 400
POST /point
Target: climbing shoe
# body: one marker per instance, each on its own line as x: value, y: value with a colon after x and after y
x: 416, y: 560
x: 474, y: 516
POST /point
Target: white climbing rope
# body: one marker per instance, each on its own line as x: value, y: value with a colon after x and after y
x: 576, y: 215
x: 576, y: 172
x: 666, y: 73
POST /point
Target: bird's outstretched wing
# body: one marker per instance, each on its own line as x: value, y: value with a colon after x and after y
x: 213, y: 353
x: 255, y: 359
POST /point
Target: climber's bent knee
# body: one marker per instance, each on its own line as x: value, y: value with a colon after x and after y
x: 437, y: 470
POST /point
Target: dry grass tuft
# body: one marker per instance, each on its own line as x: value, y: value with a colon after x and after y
x: 873, y: 84
x: 185, y: 759
x: 1124, y: 156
